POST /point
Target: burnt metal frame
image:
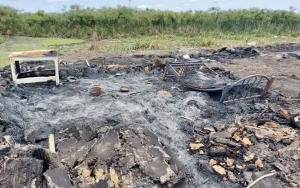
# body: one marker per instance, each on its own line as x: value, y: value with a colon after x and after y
x: 245, y: 87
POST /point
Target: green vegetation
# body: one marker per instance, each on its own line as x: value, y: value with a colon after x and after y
x: 112, y: 23
x: 1, y: 39
x: 14, y: 44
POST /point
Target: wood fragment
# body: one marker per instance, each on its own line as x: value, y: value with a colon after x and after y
x: 186, y: 118
x: 260, y: 178
x: 51, y: 143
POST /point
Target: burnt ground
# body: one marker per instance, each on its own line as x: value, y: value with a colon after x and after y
x: 158, y: 134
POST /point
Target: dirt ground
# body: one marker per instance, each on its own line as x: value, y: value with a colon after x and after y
x: 283, y: 67
x: 118, y: 124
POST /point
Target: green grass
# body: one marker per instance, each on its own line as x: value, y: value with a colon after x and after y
x: 2, y: 39
x: 171, y: 42
x: 14, y: 44
x: 135, y: 44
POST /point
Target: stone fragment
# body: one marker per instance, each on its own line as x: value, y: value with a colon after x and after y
x: 227, y: 142
x: 164, y: 93
x: 219, y: 170
x: 57, y: 178
x: 127, y: 181
x: 246, y: 142
x: 209, y: 129
x: 232, y: 129
x: 147, y: 69
x: 114, y: 177
x: 195, y: 146
x: 86, y: 172
x: 100, y: 174
x: 271, y: 124
x: 219, y: 126
x: 218, y: 151
x: 259, y: 164
x: 236, y: 137
x: 221, y: 134
x: 274, y: 134
x: 201, y: 152
x: 231, y: 176
x: 249, y: 156
x: 8, y: 140
x: 229, y: 162
x: 36, y: 135
x: 71, y: 150
x: 239, y: 167
x: 213, y: 162
x: 124, y: 89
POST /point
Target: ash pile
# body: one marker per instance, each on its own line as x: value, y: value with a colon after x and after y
x: 248, y: 149
x: 87, y: 157
x: 117, y: 124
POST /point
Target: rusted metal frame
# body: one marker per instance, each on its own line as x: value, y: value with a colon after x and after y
x: 246, y: 89
x: 182, y: 67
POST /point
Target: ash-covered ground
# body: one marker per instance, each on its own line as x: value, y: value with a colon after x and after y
x: 136, y: 138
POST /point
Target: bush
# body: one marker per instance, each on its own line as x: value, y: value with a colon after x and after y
x: 109, y: 22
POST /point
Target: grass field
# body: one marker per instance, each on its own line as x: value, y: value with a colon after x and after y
x: 13, y: 44
x: 132, y: 44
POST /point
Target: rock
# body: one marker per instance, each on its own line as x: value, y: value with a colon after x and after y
x: 36, y: 135
x: 209, y: 129
x: 147, y: 69
x: 239, y: 167
x: 114, y: 177
x: 236, y: 137
x: 95, y: 90
x: 221, y: 134
x: 186, y: 57
x: 227, y: 142
x: 218, y: 151
x: 231, y: 176
x: 213, y: 162
x: 57, y: 178
x: 274, y: 134
x: 232, y: 130
x: 85, y: 172
x: 271, y: 124
x: 8, y: 140
x: 246, y: 142
x: 164, y: 93
x: 219, y: 126
x: 21, y: 172
x: 219, y: 170
x: 71, y: 150
x: 249, y: 156
x: 229, y: 162
x: 195, y: 146
x: 201, y: 152
x: 259, y: 164
x: 124, y: 89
